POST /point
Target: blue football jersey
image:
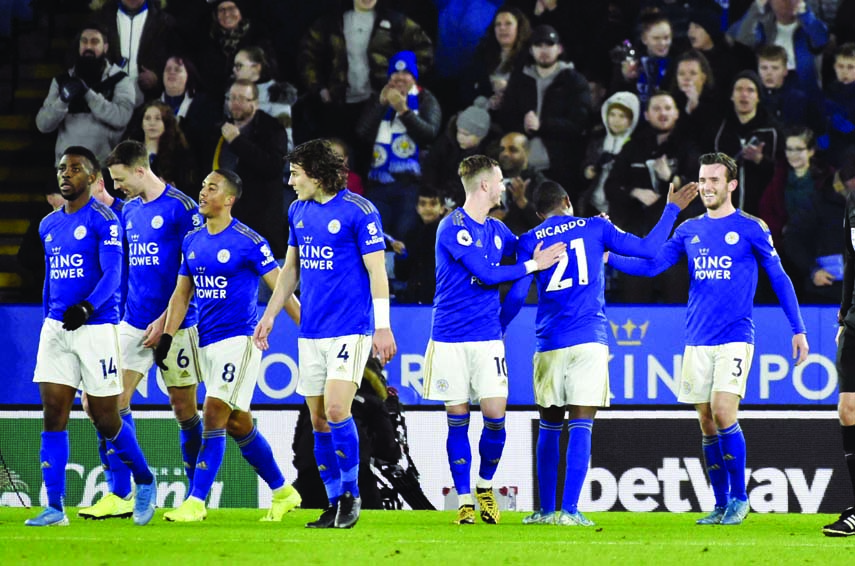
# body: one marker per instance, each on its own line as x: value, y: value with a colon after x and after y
x: 723, y: 254
x: 155, y: 232
x: 464, y: 308
x: 331, y: 239
x: 79, y: 249
x: 571, y: 304
x: 225, y: 268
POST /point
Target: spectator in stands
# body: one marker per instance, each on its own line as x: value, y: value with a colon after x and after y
x: 706, y: 35
x: 782, y: 98
x: 274, y: 98
x: 231, y: 30
x: 636, y: 188
x: 749, y: 134
x: 90, y: 104
x: 791, y: 24
x: 814, y: 239
x: 840, y: 105
x: 461, y: 25
x: 141, y: 37
x: 503, y: 49
x: 551, y: 103
x: 693, y: 87
x: 195, y: 111
x: 401, y: 123
x: 648, y: 72
x: 465, y: 135
x: 169, y: 153
x: 416, y: 267
x: 253, y: 144
x: 521, y: 181
x: 343, y: 61
x: 620, y: 114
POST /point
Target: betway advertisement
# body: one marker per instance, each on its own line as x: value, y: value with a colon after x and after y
x: 646, y: 344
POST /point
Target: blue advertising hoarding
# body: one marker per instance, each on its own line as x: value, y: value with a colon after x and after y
x: 646, y: 347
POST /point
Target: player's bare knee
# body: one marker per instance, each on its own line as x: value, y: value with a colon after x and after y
x: 846, y: 409
x: 239, y: 424
x: 183, y: 402
x: 336, y: 412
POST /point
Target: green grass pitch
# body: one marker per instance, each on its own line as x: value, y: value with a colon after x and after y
x: 235, y: 536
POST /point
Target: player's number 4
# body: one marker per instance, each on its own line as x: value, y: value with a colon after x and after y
x: 557, y: 281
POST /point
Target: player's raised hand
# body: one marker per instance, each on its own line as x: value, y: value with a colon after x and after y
x: 548, y: 257
x: 262, y: 332
x: 684, y: 195
x: 384, y: 345
x: 800, y: 348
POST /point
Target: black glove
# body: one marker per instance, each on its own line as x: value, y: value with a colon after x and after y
x: 162, y: 350
x: 76, y: 316
x: 73, y: 89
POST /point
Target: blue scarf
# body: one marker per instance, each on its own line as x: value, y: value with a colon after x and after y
x: 394, y: 151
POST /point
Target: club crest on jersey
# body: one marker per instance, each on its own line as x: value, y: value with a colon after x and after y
x: 80, y: 232
x: 464, y: 238
x: 497, y: 240
x: 157, y: 222
x: 223, y: 256
x: 334, y: 226
x: 731, y: 238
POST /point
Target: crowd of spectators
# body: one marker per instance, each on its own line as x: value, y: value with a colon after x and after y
x: 614, y: 100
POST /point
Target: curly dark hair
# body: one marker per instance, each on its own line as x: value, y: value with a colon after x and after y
x: 321, y: 163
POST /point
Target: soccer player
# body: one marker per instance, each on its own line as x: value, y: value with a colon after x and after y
x: 336, y: 249
x: 79, y: 342
x: 156, y: 218
x: 571, y: 364
x: 465, y: 359
x: 845, y: 339
x: 723, y: 248
x: 221, y: 264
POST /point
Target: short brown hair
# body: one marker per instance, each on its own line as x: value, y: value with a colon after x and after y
x: 719, y: 158
x: 772, y: 53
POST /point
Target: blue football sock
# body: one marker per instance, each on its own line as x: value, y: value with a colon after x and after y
x: 716, y: 470
x: 121, y: 472
x: 128, y: 419
x: 105, y: 462
x: 125, y: 445
x: 547, y: 463
x: 256, y: 450
x: 732, y: 443
x: 54, y: 457
x: 190, y: 435
x: 490, y: 447
x: 328, y: 468
x: 209, y: 461
x: 459, y: 452
x: 345, y: 439
x: 578, y: 455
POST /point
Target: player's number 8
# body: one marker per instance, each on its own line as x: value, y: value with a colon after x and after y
x: 229, y: 372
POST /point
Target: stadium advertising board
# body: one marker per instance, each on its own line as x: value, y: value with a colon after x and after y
x: 646, y: 346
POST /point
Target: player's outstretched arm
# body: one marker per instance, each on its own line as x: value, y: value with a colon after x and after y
x: 284, y: 288
x: 493, y: 275
x: 800, y: 347
x: 384, y: 341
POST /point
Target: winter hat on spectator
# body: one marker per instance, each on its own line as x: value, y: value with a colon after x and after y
x: 239, y: 3
x: 708, y: 16
x: 404, y: 61
x: 751, y: 76
x: 545, y: 34
x: 475, y: 119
